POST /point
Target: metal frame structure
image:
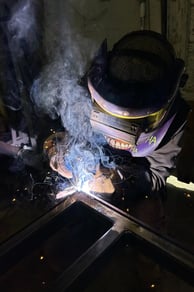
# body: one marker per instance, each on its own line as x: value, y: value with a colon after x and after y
x: 121, y: 223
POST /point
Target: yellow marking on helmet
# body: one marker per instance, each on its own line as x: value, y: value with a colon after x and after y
x: 155, y: 114
x: 152, y: 139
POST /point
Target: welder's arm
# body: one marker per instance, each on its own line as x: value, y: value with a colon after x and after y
x: 143, y: 176
x: 148, y: 174
x: 163, y: 160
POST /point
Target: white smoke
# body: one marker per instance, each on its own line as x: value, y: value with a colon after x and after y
x: 57, y: 92
x: 24, y: 25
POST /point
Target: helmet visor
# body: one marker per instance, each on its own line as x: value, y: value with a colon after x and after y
x: 127, y: 130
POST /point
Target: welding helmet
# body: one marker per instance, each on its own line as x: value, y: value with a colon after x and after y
x: 133, y: 88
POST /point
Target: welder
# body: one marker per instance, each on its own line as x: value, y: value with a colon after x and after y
x: 137, y: 106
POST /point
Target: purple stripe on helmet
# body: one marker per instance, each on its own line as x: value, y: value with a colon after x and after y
x: 148, y: 142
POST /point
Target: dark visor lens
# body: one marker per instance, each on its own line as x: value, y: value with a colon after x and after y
x: 124, y: 129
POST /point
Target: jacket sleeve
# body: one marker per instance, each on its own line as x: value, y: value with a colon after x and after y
x: 147, y: 175
x: 163, y: 160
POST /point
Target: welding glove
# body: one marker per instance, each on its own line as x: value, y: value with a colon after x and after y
x: 55, y: 153
x: 100, y: 185
x: 134, y: 180
x: 57, y: 164
x: 101, y: 182
x: 132, y: 175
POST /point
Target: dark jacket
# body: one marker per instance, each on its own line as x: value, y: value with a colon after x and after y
x: 147, y: 175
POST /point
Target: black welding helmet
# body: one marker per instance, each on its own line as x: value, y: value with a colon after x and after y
x: 132, y: 87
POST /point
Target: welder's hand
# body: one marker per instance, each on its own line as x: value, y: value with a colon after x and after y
x: 57, y: 164
x: 134, y: 180
x: 55, y: 153
x: 101, y: 183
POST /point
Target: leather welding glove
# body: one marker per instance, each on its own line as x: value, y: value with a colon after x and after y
x: 101, y: 182
x: 132, y: 175
x: 55, y: 153
x: 134, y: 180
x: 57, y: 164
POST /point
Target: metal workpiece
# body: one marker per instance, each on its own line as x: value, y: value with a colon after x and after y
x: 96, y: 226
x: 123, y: 223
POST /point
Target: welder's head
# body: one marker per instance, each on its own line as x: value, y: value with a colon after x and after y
x: 132, y: 87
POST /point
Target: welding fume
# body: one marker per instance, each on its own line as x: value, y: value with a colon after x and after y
x: 120, y: 118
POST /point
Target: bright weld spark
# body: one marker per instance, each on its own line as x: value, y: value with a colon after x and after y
x: 187, y: 195
x: 71, y: 190
x: 66, y: 192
